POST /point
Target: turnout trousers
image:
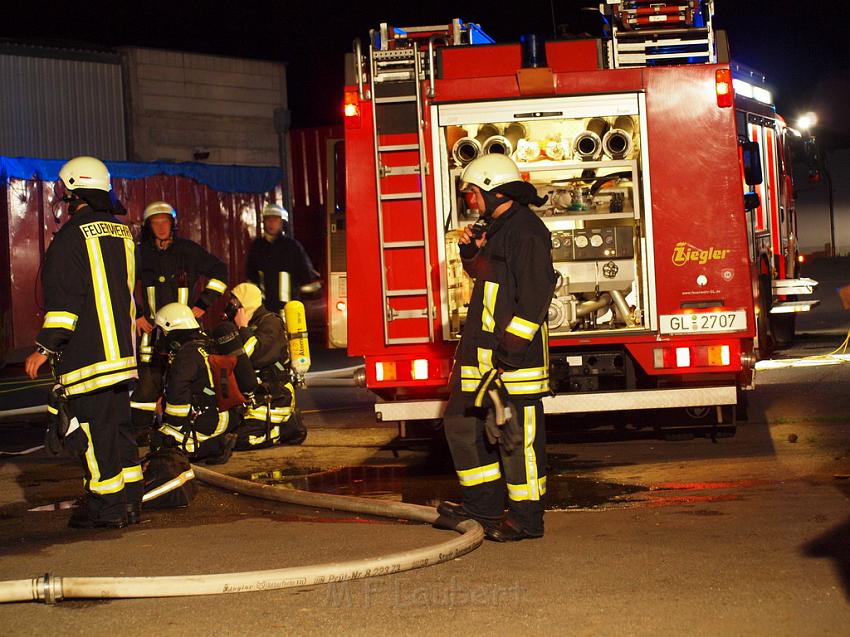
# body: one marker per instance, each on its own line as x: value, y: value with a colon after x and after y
x: 112, y: 474
x: 269, y: 425
x: 486, y: 471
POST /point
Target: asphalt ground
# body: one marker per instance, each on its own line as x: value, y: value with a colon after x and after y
x: 746, y: 536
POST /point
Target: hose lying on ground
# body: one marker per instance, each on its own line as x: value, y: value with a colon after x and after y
x: 50, y: 589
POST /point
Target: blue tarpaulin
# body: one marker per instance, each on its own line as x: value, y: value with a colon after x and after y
x: 221, y: 178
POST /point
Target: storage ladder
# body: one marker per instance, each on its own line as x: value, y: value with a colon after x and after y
x: 658, y: 33
x: 395, y: 78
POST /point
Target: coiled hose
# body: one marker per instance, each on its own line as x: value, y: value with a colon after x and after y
x: 50, y: 589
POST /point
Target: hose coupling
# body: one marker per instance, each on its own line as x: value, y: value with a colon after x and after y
x: 47, y: 589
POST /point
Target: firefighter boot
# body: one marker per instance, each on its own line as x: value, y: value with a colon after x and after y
x: 451, y: 513
x: 509, y: 530
x: 81, y: 518
x: 293, y: 432
x: 228, y: 442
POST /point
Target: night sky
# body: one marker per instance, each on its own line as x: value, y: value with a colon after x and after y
x: 802, y: 46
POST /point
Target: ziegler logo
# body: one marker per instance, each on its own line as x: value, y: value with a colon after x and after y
x: 684, y: 253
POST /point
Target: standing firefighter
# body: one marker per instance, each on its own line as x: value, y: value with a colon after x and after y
x: 192, y: 420
x: 168, y: 268
x: 273, y: 419
x: 88, y: 278
x: 278, y: 264
x: 502, y: 358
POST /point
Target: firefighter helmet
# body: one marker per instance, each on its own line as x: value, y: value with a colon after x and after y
x: 249, y: 296
x: 159, y: 208
x: 489, y: 171
x: 85, y: 172
x: 275, y: 210
x: 176, y: 316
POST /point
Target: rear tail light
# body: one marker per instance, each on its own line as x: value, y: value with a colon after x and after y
x: 385, y: 370
x: 723, y: 87
x: 692, y: 356
x: 419, y: 369
x: 351, y: 109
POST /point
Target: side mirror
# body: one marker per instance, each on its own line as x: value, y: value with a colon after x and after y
x: 751, y: 200
x: 752, y: 164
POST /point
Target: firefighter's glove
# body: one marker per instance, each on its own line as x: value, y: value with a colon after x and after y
x: 492, y: 395
x: 492, y: 429
x: 63, y: 429
x: 512, y: 434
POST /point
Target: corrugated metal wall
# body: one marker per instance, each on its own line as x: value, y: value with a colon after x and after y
x: 309, y: 148
x: 59, y: 108
x: 223, y: 223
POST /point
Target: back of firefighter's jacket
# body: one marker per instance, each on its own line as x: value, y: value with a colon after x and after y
x: 88, y: 278
x: 191, y: 416
x: 264, y: 341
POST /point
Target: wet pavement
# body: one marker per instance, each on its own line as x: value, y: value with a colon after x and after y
x: 747, y: 535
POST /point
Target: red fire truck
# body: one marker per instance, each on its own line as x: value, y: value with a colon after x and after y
x: 670, y: 208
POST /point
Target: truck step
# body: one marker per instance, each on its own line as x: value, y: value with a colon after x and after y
x: 794, y: 286
x: 791, y: 307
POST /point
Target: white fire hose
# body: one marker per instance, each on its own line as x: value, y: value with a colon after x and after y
x: 50, y: 589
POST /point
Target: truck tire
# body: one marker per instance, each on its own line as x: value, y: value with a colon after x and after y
x: 782, y: 328
x: 765, y: 339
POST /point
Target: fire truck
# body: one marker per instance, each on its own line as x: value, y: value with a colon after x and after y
x: 670, y: 207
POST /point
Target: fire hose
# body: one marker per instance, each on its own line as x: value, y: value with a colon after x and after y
x: 50, y: 589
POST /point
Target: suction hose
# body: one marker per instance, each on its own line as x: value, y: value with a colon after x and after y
x: 617, y: 142
x: 51, y: 589
x: 588, y: 143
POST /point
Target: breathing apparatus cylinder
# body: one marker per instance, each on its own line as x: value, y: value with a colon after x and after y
x: 296, y: 330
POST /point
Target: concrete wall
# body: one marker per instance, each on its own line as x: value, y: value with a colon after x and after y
x: 180, y: 103
x: 813, y: 208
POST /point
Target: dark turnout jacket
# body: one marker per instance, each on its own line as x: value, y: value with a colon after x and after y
x: 88, y: 278
x: 171, y: 275
x: 506, y: 322
x: 280, y: 268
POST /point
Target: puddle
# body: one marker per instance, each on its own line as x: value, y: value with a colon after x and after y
x: 403, y: 484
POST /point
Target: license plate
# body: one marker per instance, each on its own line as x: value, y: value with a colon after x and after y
x: 704, y: 322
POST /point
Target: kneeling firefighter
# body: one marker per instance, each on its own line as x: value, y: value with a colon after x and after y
x: 272, y: 419
x: 192, y: 419
x: 502, y: 359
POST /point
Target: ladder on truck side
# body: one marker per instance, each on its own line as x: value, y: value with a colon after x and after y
x: 660, y: 32
x: 395, y: 80
x: 396, y: 73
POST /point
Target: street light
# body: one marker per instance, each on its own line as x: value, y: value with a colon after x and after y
x: 806, y: 122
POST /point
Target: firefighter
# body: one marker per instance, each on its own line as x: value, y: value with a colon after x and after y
x: 168, y: 268
x: 273, y: 418
x: 502, y: 358
x: 88, y: 277
x: 191, y: 420
x: 278, y: 264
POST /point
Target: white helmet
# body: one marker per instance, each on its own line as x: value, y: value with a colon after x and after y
x: 159, y: 208
x: 489, y: 171
x: 176, y: 316
x: 85, y: 172
x: 275, y: 210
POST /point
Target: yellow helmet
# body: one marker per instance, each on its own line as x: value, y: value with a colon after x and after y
x: 85, y: 172
x: 249, y: 296
x: 159, y: 208
x: 176, y: 316
x: 489, y: 171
